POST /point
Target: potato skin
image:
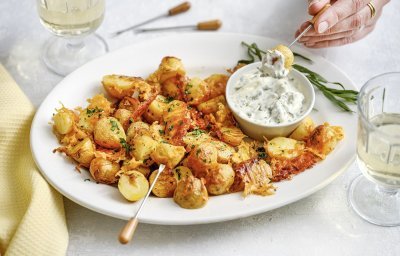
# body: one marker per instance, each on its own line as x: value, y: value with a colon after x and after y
x: 202, y: 158
x: 156, y: 109
x: 168, y: 154
x: 104, y: 171
x: 217, y: 84
x: 120, y: 86
x: 133, y: 185
x: 124, y: 117
x: 108, y: 133
x: 304, y: 130
x: 83, y: 152
x: 138, y: 128
x: 197, y: 91
x: 219, y: 179
x: 143, y: 147
x: 191, y: 193
x: 64, y: 121
x: 165, y: 185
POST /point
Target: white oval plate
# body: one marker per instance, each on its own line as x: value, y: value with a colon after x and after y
x: 202, y: 54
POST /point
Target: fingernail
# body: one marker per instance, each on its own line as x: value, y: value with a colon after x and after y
x: 323, y: 26
x: 313, y: 2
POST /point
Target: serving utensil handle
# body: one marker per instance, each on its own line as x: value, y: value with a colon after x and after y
x: 183, y: 7
x: 209, y: 25
x: 127, y: 232
x: 315, y: 18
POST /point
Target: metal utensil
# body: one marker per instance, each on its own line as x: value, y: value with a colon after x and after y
x: 312, y: 21
x: 183, y: 7
x: 127, y: 232
x: 205, y: 25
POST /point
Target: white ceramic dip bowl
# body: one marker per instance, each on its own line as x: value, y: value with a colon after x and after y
x: 259, y: 131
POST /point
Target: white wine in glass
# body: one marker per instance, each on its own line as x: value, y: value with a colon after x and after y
x: 375, y: 195
x: 72, y: 21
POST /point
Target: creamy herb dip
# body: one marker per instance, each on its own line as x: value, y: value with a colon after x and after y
x: 268, y: 99
x: 273, y: 64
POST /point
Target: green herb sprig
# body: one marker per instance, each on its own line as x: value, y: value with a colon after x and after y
x: 340, y: 97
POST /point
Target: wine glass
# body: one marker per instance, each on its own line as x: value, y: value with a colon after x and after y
x: 72, y: 21
x: 375, y: 195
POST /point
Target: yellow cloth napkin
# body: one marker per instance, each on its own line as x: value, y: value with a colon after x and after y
x: 32, y: 220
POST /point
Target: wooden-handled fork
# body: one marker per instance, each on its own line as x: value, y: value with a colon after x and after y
x: 127, y: 231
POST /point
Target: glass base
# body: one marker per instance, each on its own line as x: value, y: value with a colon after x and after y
x: 375, y: 204
x: 62, y: 55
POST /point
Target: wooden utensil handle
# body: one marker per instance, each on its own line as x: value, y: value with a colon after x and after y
x: 315, y: 18
x: 127, y: 232
x: 183, y: 7
x: 209, y: 25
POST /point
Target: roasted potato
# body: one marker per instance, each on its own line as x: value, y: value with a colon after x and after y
x: 157, y: 131
x: 231, y: 135
x: 253, y: 177
x: 133, y: 185
x: 109, y: 133
x: 219, y: 179
x: 64, y: 121
x: 197, y: 91
x: 142, y: 148
x: 244, y: 152
x: 217, y: 84
x: 170, y: 67
x: 211, y: 106
x: 324, y: 139
x: 181, y: 172
x: 165, y: 184
x: 168, y: 154
x: 121, y: 86
x: 303, y: 131
x: 190, y: 193
x: 83, y: 152
x: 197, y: 137
x: 156, y: 109
x: 282, y: 147
x: 124, y: 118
x: 133, y: 165
x: 202, y: 158
x: 104, y: 171
x: 138, y: 128
x: 177, y: 122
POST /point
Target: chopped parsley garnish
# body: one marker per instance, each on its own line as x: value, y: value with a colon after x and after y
x: 178, y: 172
x: 161, y: 132
x: 171, y: 127
x: 168, y: 99
x: 114, y: 125
x: 125, y: 145
x: 262, y: 155
x: 197, y: 132
x: 91, y: 112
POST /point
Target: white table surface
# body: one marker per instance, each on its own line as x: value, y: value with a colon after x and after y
x: 322, y: 224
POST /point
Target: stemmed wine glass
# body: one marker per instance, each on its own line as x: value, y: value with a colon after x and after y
x: 72, y: 21
x: 375, y: 194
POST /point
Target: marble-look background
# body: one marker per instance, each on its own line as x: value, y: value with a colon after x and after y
x: 322, y: 224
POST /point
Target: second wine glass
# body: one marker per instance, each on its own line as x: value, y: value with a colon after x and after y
x: 73, y: 22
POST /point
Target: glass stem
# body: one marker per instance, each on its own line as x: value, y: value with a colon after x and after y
x: 75, y: 44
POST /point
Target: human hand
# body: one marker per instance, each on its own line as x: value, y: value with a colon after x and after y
x: 346, y: 21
